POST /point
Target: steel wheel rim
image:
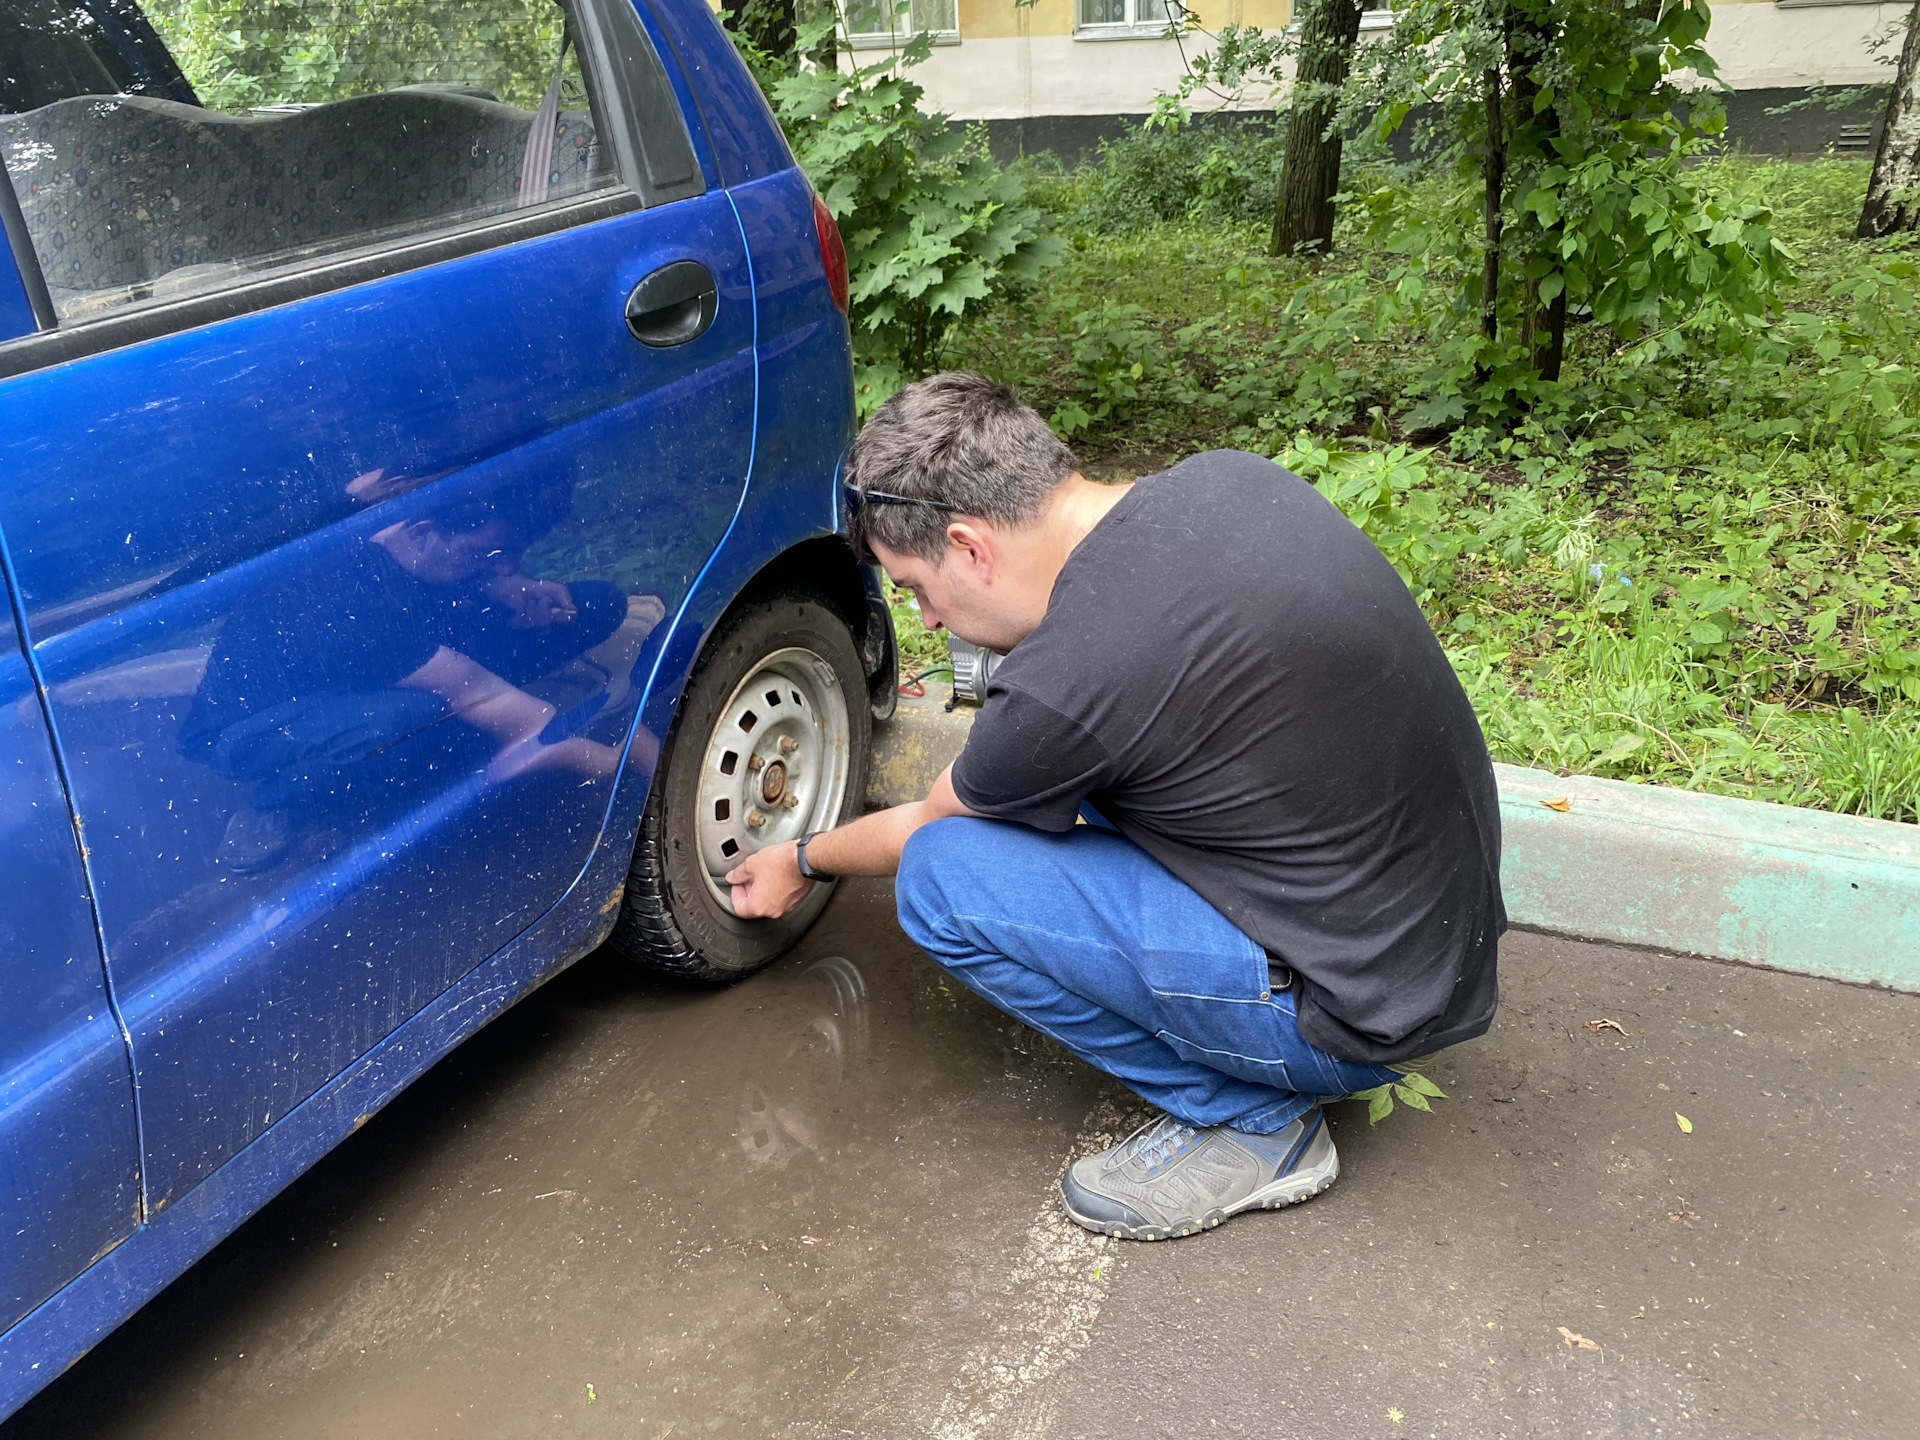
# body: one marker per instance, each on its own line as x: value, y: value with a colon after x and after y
x: 780, y: 751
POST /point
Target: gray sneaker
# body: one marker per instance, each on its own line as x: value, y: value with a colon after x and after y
x: 1168, y: 1179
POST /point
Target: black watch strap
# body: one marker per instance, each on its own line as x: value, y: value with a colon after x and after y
x: 800, y: 855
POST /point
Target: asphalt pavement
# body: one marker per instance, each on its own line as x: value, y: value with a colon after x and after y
x: 819, y: 1203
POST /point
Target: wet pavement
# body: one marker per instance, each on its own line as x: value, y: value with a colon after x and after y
x: 819, y: 1203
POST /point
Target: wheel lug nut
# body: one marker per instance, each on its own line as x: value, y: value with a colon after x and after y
x: 755, y: 820
x: 754, y: 762
x: 792, y: 802
x: 788, y: 744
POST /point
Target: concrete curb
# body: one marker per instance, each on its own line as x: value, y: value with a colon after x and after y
x: 1770, y: 885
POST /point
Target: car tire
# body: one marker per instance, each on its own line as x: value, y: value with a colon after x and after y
x: 771, y: 742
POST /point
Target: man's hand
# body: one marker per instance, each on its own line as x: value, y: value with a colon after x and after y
x: 535, y: 603
x: 768, y: 883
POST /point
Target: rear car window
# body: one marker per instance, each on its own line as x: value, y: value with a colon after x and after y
x: 169, y: 149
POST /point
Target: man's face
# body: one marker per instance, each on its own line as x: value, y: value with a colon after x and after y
x: 440, y: 558
x: 959, y: 593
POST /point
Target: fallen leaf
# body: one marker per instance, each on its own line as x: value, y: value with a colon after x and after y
x: 1563, y: 804
x: 1686, y: 1125
x: 1598, y: 1025
x: 1579, y: 1342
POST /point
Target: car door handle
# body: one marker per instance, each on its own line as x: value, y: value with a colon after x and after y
x: 673, y: 305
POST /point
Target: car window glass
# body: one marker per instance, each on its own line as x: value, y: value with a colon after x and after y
x: 182, y: 146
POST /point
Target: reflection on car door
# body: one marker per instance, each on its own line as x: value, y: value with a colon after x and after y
x: 343, y: 604
x: 69, y: 1170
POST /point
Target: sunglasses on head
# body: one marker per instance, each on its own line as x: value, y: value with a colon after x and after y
x: 858, y: 500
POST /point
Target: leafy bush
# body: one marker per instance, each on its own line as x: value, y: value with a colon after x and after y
x: 1189, y: 172
x: 1575, y: 199
x: 932, y: 225
x: 1113, y: 349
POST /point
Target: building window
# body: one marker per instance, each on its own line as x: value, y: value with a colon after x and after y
x: 868, y: 27
x: 1125, y: 19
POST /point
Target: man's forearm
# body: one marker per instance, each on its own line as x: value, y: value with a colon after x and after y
x: 769, y: 883
x: 870, y: 845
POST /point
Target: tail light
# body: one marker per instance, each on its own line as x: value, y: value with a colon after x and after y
x: 833, y: 253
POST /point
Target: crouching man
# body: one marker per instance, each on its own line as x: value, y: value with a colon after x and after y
x: 1288, y: 875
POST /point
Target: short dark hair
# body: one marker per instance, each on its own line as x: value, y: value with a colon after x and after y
x: 962, y: 440
x: 528, y: 509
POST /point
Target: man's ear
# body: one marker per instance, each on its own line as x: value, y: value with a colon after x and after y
x: 972, y: 546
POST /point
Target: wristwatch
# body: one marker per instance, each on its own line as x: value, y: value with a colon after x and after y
x: 800, y: 857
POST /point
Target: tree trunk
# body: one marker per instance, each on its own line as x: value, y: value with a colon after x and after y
x: 1896, y: 168
x: 1494, y: 177
x: 1529, y: 39
x: 1303, y: 220
x: 1549, y: 355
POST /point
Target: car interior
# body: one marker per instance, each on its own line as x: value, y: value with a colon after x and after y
x: 133, y: 190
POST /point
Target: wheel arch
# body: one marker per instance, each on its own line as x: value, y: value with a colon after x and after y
x: 826, y: 565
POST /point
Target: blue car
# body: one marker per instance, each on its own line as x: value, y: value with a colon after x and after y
x: 419, y: 430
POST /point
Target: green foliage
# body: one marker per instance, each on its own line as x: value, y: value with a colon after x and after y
x: 1115, y: 350
x: 1571, y: 148
x: 1604, y: 214
x: 1389, y: 495
x: 1243, y: 58
x: 1862, y: 355
x: 1220, y: 172
x: 242, y: 53
x: 921, y: 650
x: 1412, y: 1089
x: 932, y: 225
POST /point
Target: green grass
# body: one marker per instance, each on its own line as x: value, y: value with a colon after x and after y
x: 1701, y: 572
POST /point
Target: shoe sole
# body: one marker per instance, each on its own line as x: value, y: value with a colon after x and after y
x: 1289, y: 1190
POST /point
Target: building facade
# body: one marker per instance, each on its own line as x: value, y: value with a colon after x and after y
x: 1057, y: 74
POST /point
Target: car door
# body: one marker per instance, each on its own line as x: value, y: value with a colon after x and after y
x: 383, y: 423
x: 69, y: 1168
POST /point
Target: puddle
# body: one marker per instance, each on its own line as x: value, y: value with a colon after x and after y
x: 628, y: 1208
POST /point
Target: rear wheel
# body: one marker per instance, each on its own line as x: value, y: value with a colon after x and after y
x: 771, y: 743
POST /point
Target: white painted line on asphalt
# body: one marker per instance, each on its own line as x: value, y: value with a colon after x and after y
x: 1056, y: 1288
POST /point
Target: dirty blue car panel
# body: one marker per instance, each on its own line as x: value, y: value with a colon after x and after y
x: 69, y: 1165
x: 342, y: 430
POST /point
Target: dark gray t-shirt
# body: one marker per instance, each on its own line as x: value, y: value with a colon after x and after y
x: 1233, y: 675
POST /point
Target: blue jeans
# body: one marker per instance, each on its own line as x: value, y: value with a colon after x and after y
x: 1091, y: 941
